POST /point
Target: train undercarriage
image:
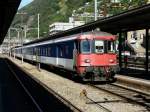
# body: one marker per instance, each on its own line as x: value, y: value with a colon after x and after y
x: 105, y: 73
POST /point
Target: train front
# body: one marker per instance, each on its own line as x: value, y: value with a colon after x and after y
x: 97, y: 58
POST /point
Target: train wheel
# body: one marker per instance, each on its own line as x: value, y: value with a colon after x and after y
x: 76, y: 78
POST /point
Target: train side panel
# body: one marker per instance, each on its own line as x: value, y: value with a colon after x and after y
x: 58, y: 54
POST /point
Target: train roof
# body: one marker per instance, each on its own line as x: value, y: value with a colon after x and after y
x: 97, y: 34
x: 54, y: 37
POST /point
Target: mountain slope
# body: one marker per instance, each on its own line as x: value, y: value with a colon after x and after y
x: 60, y: 10
x: 50, y: 11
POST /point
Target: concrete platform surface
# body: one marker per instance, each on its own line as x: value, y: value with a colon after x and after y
x: 138, y: 84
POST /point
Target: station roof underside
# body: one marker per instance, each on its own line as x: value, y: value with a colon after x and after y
x: 8, y: 9
x: 134, y: 19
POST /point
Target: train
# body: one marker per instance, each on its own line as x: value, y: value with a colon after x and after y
x: 89, y: 55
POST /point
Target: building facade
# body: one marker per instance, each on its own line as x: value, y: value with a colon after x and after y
x: 62, y: 26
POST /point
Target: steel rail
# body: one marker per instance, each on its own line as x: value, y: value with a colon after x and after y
x: 102, y: 107
x: 61, y: 98
x: 58, y: 96
x: 126, y: 96
x: 130, y: 89
x: 26, y: 90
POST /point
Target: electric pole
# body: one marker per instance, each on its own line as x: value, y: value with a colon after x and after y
x: 95, y: 12
x: 38, y: 25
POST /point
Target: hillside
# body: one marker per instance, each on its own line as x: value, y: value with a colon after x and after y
x: 60, y: 10
x: 50, y: 11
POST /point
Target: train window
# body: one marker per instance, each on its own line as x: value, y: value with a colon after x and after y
x: 67, y: 50
x: 44, y: 54
x: 85, y: 46
x: 49, y: 51
x: 111, y: 47
x: 41, y: 51
x: 46, y: 51
x: 99, y: 46
x: 31, y: 51
x: 37, y: 52
x: 61, y: 51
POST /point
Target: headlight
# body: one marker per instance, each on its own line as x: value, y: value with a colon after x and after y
x: 111, y: 60
x: 87, y: 60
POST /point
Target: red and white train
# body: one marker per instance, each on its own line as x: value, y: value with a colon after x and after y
x: 90, y: 55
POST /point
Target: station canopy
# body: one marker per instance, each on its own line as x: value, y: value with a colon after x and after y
x: 8, y: 9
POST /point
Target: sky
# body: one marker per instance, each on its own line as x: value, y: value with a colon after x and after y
x: 24, y: 3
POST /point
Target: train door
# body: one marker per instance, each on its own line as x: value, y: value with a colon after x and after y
x: 61, y: 59
x: 34, y: 54
x: 37, y: 53
x: 75, y: 55
x: 57, y: 55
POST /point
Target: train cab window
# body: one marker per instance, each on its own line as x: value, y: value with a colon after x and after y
x: 99, y: 46
x: 110, y: 47
x: 85, y: 46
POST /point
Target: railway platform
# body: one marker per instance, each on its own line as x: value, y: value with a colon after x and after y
x: 78, y: 96
x: 138, y: 84
x: 135, y: 73
x: 134, y: 77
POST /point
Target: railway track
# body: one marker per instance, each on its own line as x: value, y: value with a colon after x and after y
x: 12, y: 95
x: 39, y: 109
x: 91, y: 100
x: 128, y: 94
x: 99, y: 105
x: 68, y: 103
x: 40, y: 97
